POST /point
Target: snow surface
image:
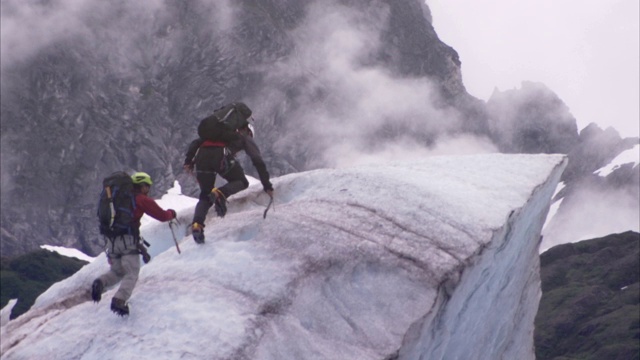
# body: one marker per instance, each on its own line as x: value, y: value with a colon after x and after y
x: 5, y: 313
x: 435, y: 258
x: 555, y: 205
x: 590, y: 213
x: 68, y: 252
x: 628, y: 156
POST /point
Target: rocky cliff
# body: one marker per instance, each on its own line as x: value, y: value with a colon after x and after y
x: 87, y: 90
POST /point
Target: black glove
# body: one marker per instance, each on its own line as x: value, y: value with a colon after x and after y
x: 173, y: 212
x: 145, y: 255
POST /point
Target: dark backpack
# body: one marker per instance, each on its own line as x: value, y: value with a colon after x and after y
x: 116, y: 205
x: 223, y: 123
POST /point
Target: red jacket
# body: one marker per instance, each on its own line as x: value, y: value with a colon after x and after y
x: 146, y: 205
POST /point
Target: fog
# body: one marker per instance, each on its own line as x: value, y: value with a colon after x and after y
x: 591, y: 214
x: 347, y: 102
x: 586, y: 51
x: 29, y: 26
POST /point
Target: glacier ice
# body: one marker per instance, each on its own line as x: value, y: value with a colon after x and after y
x: 435, y: 259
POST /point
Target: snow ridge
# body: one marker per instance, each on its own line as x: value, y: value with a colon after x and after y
x: 387, y: 261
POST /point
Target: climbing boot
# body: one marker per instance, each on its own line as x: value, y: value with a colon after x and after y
x: 219, y: 202
x: 119, y: 307
x: 197, y: 231
x: 96, y: 290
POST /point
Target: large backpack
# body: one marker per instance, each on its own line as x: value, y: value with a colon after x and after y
x: 223, y: 123
x: 116, y: 205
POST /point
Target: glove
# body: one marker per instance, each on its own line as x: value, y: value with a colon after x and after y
x: 145, y: 255
x: 173, y: 212
x: 188, y: 168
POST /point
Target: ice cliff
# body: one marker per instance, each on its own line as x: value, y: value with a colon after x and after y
x: 436, y: 259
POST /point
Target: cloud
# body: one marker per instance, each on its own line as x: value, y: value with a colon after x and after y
x: 340, y: 95
x: 590, y: 213
x: 409, y: 150
x: 586, y: 51
x: 27, y: 27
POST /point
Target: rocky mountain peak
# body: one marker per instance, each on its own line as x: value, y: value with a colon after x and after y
x: 123, y: 87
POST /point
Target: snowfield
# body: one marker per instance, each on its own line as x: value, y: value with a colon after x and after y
x: 436, y: 259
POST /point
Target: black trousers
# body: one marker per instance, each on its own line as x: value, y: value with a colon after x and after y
x: 211, y: 161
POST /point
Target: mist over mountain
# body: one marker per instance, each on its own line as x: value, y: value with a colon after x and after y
x: 590, y: 202
x: 90, y: 87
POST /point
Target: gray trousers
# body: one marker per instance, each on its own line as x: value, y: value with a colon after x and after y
x: 124, y: 260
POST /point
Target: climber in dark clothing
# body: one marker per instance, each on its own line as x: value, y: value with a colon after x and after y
x: 211, y: 158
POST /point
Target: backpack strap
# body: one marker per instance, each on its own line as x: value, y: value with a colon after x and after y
x: 113, y: 211
x: 233, y: 107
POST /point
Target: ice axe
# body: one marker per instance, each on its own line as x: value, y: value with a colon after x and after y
x: 264, y: 216
x: 175, y: 240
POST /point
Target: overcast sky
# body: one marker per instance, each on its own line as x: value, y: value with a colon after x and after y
x: 586, y: 51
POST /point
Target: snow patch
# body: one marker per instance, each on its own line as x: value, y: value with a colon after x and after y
x: 631, y: 156
x: 68, y: 252
x: 5, y: 313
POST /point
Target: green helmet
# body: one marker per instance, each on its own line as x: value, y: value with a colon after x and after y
x: 141, y: 178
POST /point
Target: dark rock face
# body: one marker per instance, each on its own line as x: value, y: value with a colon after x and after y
x: 531, y: 120
x: 123, y: 86
x: 595, y: 149
x: 126, y: 88
x: 589, y: 307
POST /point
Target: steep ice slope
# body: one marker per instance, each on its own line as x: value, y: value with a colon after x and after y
x: 490, y: 313
x: 436, y: 258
